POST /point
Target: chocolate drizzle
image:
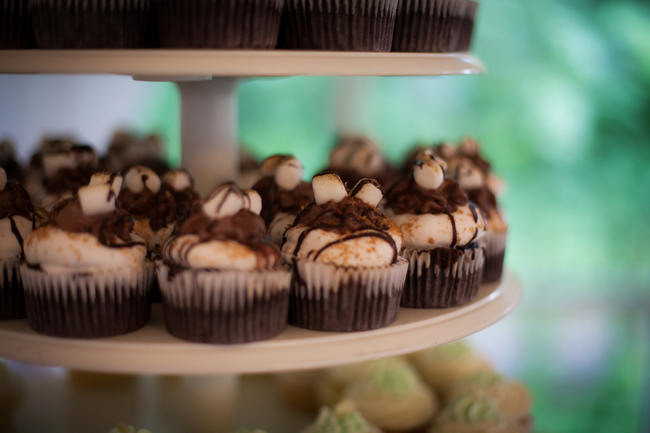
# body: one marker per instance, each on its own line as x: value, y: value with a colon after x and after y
x: 112, y: 229
x: 276, y: 199
x: 16, y: 233
x: 14, y: 200
x: 407, y: 197
x: 186, y: 202
x: 484, y: 198
x: 454, y: 231
x: 159, y: 208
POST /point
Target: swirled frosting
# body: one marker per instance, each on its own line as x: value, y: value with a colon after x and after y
x: 392, y: 397
x: 472, y: 414
x: 344, y: 418
x: 16, y: 218
x: 345, y: 230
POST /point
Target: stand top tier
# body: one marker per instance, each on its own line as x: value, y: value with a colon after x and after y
x: 177, y: 65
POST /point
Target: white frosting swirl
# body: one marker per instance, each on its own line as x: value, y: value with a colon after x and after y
x: 58, y: 251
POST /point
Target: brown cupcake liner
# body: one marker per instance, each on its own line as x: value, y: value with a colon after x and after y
x: 15, y: 25
x: 73, y: 24
x: 327, y: 297
x: 346, y: 25
x: 495, y: 247
x: 443, y: 277
x: 86, y: 305
x: 224, y: 307
x: 433, y: 25
x: 12, y: 299
x: 251, y: 24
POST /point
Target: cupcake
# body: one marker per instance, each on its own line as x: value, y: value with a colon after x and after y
x: 152, y: 207
x: 393, y: 397
x: 434, y: 25
x: 222, y: 281
x: 356, y: 157
x: 219, y: 24
x: 330, y: 385
x: 15, y: 25
x: 443, y: 366
x: 84, y: 276
x: 16, y: 223
x: 512, y: 399
x: 344, y: 25
x: 8, y: 161
x: 126, y: 150
x: 348, y: 275
x: 90, y: 23
x: 441, y: 228
x: 343, y: 418
x: 473, y: 414
x: 283, y: 193
x: 180, y: 184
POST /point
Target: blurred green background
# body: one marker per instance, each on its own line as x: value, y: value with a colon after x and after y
x: 563, y: 112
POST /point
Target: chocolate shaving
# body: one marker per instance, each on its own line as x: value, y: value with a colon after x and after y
x: 276, y: 199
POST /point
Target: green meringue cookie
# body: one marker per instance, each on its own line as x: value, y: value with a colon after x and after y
x: 344, y: 418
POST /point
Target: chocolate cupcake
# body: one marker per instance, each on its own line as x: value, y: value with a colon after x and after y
x: 283, y: 193
x: 13, y: 170
x: 152, y: 207
x: 16, y: 223
x: 434, y: 25
x: 248, y: 24
x: 15, y: 25
x: 441, y: 228
x: 90, y: 23
x: 84, y: 276
x: 221, y: 280
x: 344, y: 25
x: 348, y: 275
x: 356, y: 157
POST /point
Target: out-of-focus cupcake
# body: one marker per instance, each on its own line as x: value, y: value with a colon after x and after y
x: 511, y: 397
x: 84, y: 276
x: 434, y: 25
x: 90, y: 23
x: 180, y: 185
x: 443, y: 150
x: 441, y: 228
x: 249, y: 169
x: 343, y: 418
x: 16, y: 223
x: 330, y: 385
x: 356, y: 157
x: 342, y: 25
x: 250, y: 24
x: 393, y: 397
x: 8, y: 161
x: 152, y: 207
x: 443, y: 366
x: 283, y: 193
x: 348, y: 275
x: 126, y: 150
x: 473, y: 414
x: 222, y: 281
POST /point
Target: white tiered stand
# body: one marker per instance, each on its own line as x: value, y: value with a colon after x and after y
x: 206, y: 80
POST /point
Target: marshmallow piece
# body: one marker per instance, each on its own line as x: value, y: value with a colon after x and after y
x: 99, y: 178
x: 288, y: 173
x: 368, y: 191
x: 178, y: 179
x: 270, y: 165
x: 253, y: 201
x: 428, y: 173
x: 53, y: 162
x: 468, y: 175
x: 328, y: 187
x: 3, y: 179
x: 96, y: 199
x: 469, y: 146
x: 139, y: 177
x: 224, y: 201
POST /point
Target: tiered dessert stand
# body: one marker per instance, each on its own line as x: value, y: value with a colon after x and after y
x: 206, y: 80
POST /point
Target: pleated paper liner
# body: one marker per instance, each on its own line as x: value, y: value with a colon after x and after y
x: 87, y: 305
x: 434, y: 25
x: 346, y: 25
x: 328, y: 297
x: 253, y: 24
x: 224, y: 307
x: 12, y: 299
x: 15, y: 25
x: 443, y: 277
x: 495, y: 249
x: 61, y: 24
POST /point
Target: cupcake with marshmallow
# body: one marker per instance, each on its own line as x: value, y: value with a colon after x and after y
x: 441, y: 228
x: 348, y: 274
x: 283, y: 193
x: 222, y: 280
x: 85, y: 275
x: 357, y: 157
x: 180, y: 184
x: 152, y: 206
x: 16, y: 223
